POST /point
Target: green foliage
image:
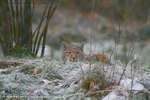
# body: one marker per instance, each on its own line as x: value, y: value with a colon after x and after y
x: 20, y: 51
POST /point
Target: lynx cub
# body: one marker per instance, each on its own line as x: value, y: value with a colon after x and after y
x: 73, y: 52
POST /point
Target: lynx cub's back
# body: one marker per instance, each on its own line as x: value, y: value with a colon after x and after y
x: 100, y: 57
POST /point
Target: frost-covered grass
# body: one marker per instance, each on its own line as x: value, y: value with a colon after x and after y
x: 57, y: 81
x: 21, y: 81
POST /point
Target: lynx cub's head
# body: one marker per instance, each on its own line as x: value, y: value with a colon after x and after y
x: 73, y: 52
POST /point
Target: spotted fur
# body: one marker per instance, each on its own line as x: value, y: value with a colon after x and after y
x: 100, y: 57
x: 73, y: 53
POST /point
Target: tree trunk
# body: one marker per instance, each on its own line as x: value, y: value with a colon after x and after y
x: 5, y: 31
x: 27, y: 26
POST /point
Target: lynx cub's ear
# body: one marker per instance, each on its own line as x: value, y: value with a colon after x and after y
x: 81, y: 46
x: 78, y: 45
x: 65, y: 45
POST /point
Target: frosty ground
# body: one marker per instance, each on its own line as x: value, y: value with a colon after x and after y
x: 58, y: 81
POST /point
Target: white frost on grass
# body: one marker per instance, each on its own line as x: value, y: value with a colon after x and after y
x: 55, y: 80
x: 130, y: 84
x: 114, y: 96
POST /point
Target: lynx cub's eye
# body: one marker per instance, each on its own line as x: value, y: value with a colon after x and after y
x: 69, y: 52
x: 77, y: 52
